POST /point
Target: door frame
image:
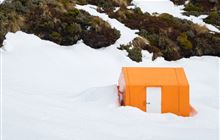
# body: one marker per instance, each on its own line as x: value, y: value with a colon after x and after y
x: 145, y: 102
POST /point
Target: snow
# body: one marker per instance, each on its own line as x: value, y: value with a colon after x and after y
x: 167, y: 6
x: 58, y: 92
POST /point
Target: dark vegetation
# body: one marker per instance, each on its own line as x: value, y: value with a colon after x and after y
x: 214, y: 18
x: 134, y: 53
x: 134, y: 50
x: 173, y: 37
x: 106, y: 5
x: 100, y: 34
x: 199, y: 7
x: 169, y: 37
x: 203, y: 7
x: 179, y: 2
x: 57, y: 21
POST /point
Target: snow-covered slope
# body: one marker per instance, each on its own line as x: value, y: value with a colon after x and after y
x: 57, y: 92
x: 53, y: 92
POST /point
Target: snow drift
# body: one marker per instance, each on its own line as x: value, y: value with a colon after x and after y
x: 54, y: 92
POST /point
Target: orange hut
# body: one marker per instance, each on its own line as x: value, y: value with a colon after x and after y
x: 156, y: 90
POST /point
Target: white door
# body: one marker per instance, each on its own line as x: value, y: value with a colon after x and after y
x: 153, y: 99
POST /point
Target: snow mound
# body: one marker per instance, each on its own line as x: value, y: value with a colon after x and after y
x: 57, y: 92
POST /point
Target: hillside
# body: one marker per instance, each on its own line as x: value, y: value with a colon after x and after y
x: 57, y: 21
x: 61, y: 60
x: 204, y: 7
x: 170, y: 36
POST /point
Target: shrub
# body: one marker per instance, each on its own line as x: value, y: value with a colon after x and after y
x: 116, y: 33
x: 105, y: 4
x: 82, y: 2
x: 45, y: 25
x: 172, y: 53
x: 71, y: 34
x: 178, y: 2
x: 134, y: 51
x: 100, y: 37
x: 190, y: 33
x: 99, y: 34
x: 19, y: 7
x: 73, y: 29
x: 167, y: 17
x: 135, y: 54
x: 152, y: 37
x: 200, y: 29
x: 164, y: 33
x: 143, y: 43
x: 73, y: 12
x: 184, y: 42
x: 56, y: 20
x: 193, y: 7
x: 163, y: 42
x: 138, y: 11
x: 56, y: 37
x: 125, y: 47
x: 213, y: 18
x: 1, y: 38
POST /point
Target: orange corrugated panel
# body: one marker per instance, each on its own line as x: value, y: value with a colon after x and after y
x: 172, y: 81
x: 150, y: 76
x: 184, y: 99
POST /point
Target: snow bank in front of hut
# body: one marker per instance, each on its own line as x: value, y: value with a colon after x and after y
x: 54, y: 92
